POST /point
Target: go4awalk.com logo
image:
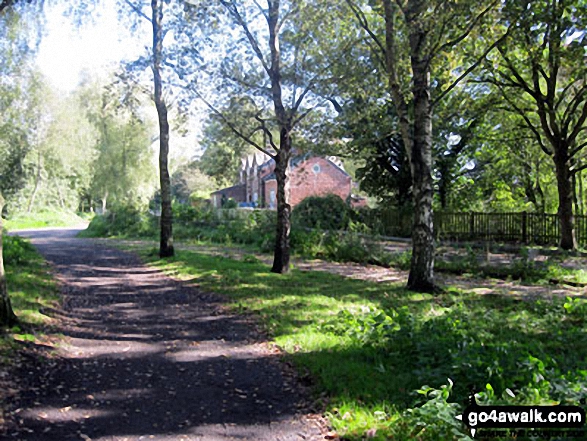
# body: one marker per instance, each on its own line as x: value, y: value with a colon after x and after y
x: 522, y: 417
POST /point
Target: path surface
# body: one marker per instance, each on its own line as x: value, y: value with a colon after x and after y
x: 150, y: 358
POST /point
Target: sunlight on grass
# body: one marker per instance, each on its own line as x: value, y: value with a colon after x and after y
x: 43, y: 219
x: 371, y: 346
x: 31, y: 289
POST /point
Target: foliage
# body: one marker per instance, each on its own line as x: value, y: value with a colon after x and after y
x: 372, y: 346
x: 123, y: 170
x: 126, y: 221
x: 16, y: 250
x: 189, y: 182
x: 328, y: 212
x: 31, y: 285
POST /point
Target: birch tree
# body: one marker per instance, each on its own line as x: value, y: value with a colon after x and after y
x: 415, y: 44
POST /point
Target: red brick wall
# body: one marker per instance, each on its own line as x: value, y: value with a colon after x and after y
x: 304, y: 181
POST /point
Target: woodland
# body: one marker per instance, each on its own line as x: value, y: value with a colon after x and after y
x: 434, y: 107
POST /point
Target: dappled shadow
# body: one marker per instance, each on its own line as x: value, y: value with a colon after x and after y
x: 149, y: 356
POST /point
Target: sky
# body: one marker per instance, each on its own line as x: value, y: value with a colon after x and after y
x: 98, y: 47
x: 65, y: 51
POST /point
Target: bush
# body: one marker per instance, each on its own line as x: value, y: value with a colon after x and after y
x: 123, y: 221
x: 326, y: 212
x: 15, y: 249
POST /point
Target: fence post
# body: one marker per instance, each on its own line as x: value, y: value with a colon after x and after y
x: 524, y: 227
x: 472, y: 225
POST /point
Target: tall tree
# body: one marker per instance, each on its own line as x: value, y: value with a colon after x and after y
x: 417, y: 36
x: 161, y: 15
x: 7, y: 316
x: 274, y: 69
x: 16, y: 110
x: 541, y: 75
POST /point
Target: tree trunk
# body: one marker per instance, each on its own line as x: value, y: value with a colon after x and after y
x: 104, y: 201
x: 281, y: 252
x: 166, y: 238
x: 7, y: 316
x: 37, y: 183
x: 565, y: 200
x: 421, y: 276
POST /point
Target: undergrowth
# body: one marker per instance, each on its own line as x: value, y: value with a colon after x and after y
x: 399, y: 365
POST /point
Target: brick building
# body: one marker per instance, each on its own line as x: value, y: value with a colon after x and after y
x: 308, y: 176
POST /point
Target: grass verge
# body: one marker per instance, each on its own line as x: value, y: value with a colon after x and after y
x: 43, y: 219
x: 31, y: 289
x: 399, y: 365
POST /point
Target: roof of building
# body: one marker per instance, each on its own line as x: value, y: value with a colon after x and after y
x: 222, y: 190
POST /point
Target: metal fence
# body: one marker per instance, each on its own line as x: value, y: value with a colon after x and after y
x: 522, y: 227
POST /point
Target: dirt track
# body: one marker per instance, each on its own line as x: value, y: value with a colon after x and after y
x: 150, y: 358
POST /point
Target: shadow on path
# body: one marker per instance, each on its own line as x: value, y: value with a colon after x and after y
x: 150, y: 358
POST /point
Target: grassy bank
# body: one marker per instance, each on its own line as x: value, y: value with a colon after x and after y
x: 399, y: 365
x: 43, y: 219
x: 31, y: 289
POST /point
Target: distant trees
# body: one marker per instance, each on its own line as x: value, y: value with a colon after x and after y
x: 122, y: 168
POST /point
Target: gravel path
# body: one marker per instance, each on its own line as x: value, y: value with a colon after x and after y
x: 148, y: 358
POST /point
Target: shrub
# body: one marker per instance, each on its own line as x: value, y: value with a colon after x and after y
x: 123, y: 221
x: 327, y: 212
x: 15, y: 249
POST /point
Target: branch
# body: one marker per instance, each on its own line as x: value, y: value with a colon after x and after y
x: 470, y: 68
x: 521, y: 81
x: 231, y: 126
x: 579, y: 124
x: 261, y: 9
x: 531, y: 126
x: 577, y: 149
x: 469, y: 28
x: 138, y: 11
x: 267, y: 132
x: 232, y: 9
x: 365, y: 25
x: 578, y: 169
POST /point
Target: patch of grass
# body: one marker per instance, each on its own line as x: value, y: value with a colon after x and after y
x: 43, y: 219
x: 384, y: 356
x: 31, y: 289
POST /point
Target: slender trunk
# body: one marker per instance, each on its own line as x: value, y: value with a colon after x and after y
x: 281, y: 252
x: 565, y: 200
x: 7, y: 316
x: 575, y: 198
x: 166, y: 238
x: 61, y: 199
x: 581, y: 199
x: 104, y: 200
x: 541, y: 204
x: 421, y: 276
x: 37, y: 183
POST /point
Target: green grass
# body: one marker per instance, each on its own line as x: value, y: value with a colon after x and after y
x: 383, y: 356
x: 43, y: 219
x: 31, y: 289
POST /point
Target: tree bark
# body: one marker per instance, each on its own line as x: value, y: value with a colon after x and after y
x: 166, y: 236
x: 104, y: 202
x: 281, y: 253
x: 417, y: 135
x: 565, y: 199
x: 7, y: 316
x: 421, y: 276
x: 37, y: 183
